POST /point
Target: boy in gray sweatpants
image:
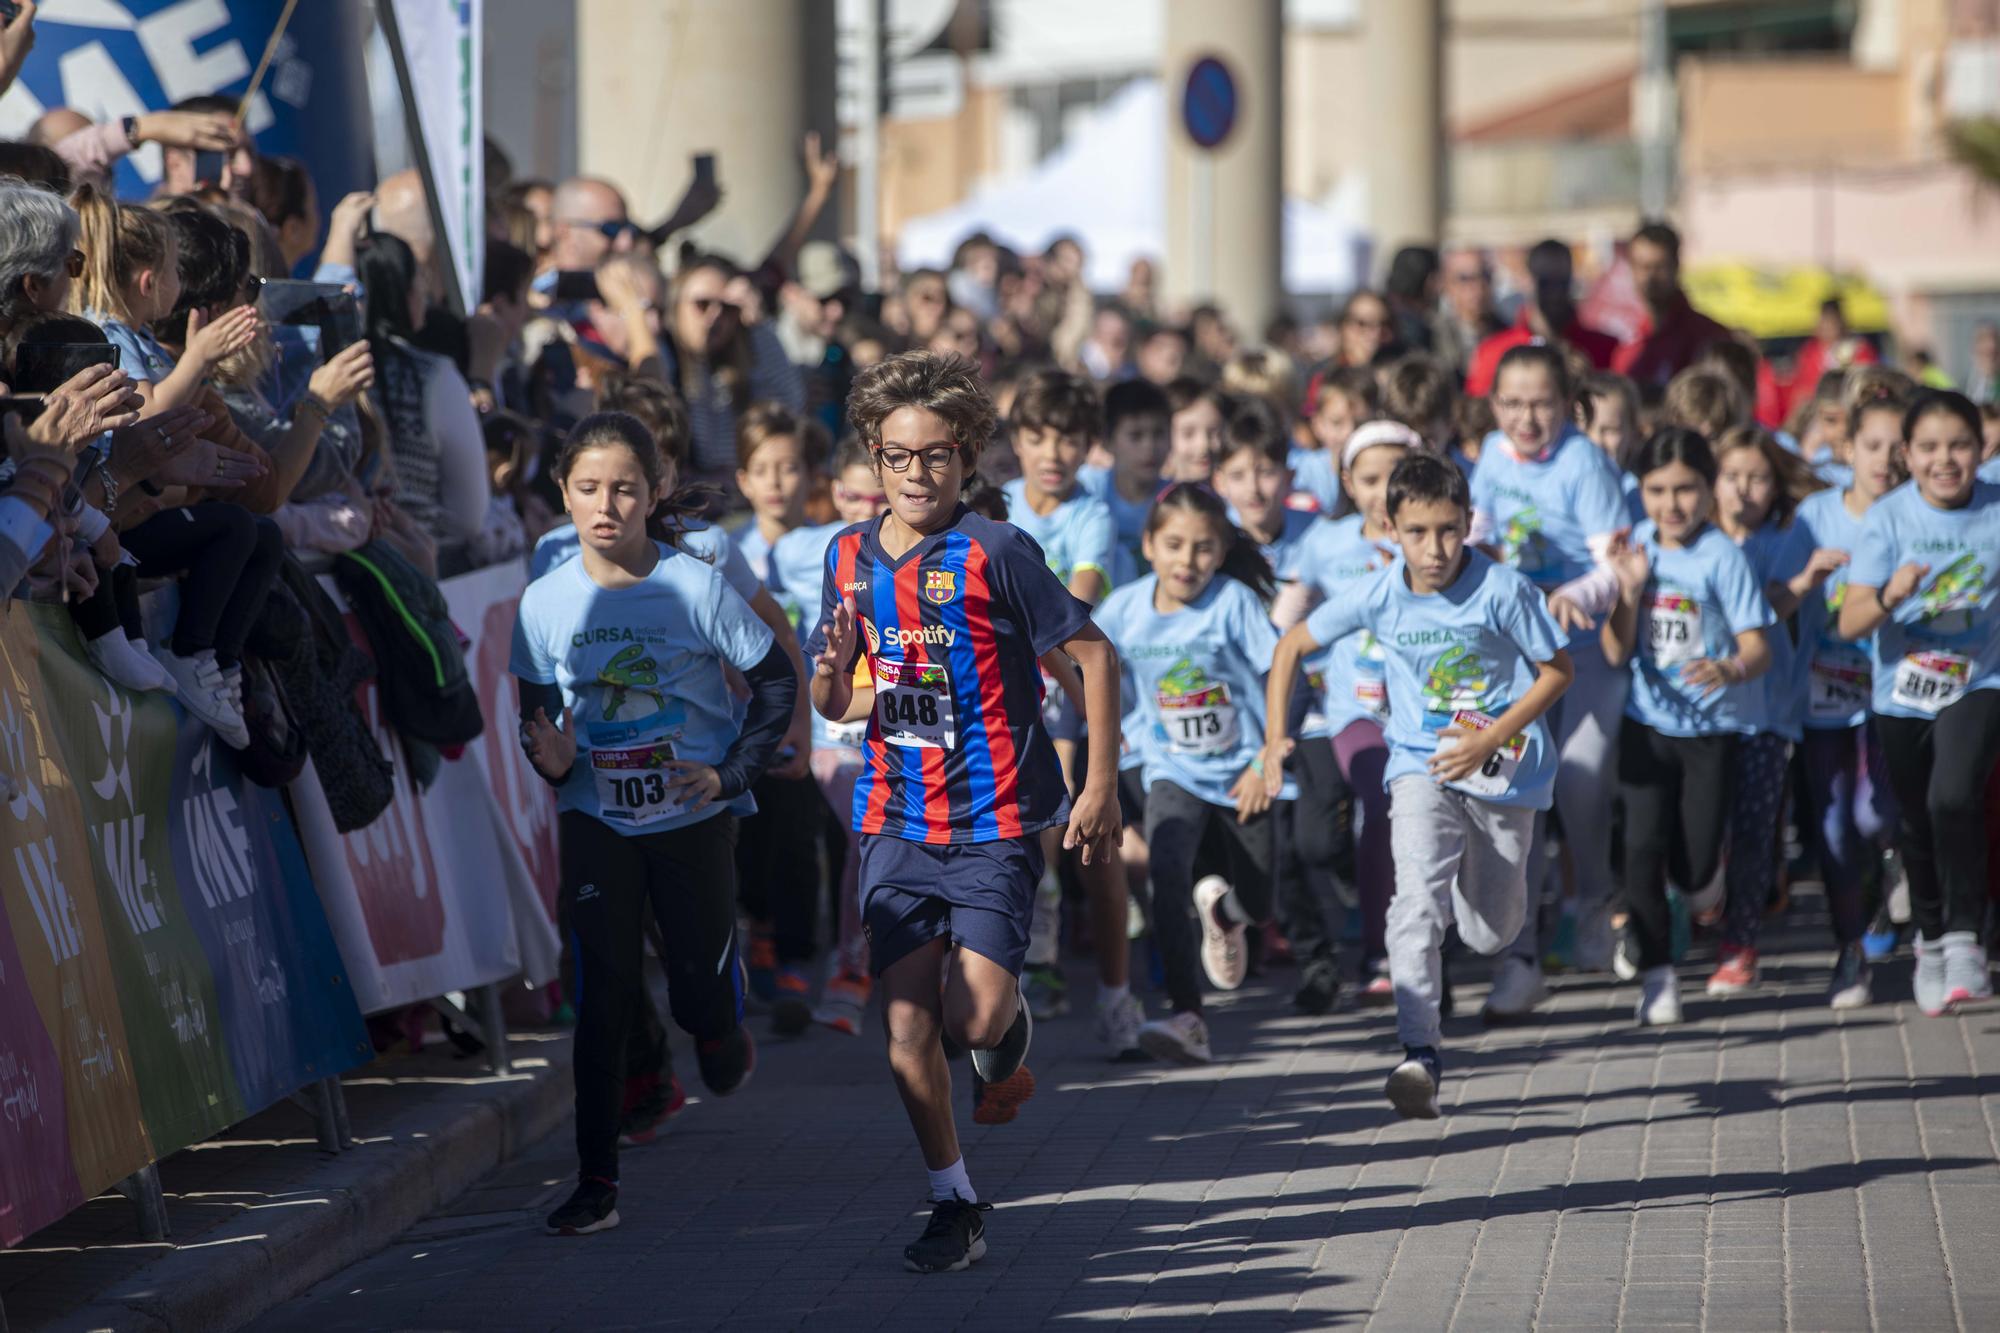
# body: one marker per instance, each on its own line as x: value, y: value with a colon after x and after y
x: 1473, y: 660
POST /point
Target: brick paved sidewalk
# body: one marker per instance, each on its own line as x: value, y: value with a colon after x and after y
x: 1769, y: 1165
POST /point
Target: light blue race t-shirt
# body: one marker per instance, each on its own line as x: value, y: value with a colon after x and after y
x: 1354, y: 687
x: 1944, y: 639
x: 794, y: 571
x: 640, y: 670
x: 1542, y: 512
x: 1699, y: 598
x: 1316, y: 472
x: 1990, y: 469
x: 140, y: 355
x: 1076, y: 535
x: 1128, y: 518
x: 1453, y: 657
x: 749, y: 541
x: 1834, y: 677
x: 1285, y: 556
x: 1198, y: 677
x: 704, y: 541
x: 1776, y: 555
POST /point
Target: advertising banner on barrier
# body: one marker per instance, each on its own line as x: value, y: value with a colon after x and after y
x: 165, y: 968
x: 69, y: 1102
x: 441, y: 893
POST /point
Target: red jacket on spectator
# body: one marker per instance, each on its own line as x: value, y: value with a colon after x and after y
x: 1814, y: 360
x: 1599, y: 346
x: 1659, y: 351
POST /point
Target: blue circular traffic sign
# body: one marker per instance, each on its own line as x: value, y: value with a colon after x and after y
x: 1208, y: 102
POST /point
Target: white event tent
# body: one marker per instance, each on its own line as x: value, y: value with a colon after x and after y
x: 1106, y: 185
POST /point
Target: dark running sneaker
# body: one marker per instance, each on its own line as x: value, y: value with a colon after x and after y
x: 998, y: 1103
x: 1413, y: 1085
x: 594, y: 1207
x: 954, y: 1238
x: 647, y: 1116
x: 727, y: 1062
x: 999, y: 1064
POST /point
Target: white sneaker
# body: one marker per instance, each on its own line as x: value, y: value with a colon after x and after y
x: 1180, y: 1038
x: 1928, y: 981
x: 1966, y: 977
x: 1659, y: 998
x: 1622, y: 965
x: 232, y: 676
x: 1118, y: 1025
x: 203, y: 692
x: 1517, y: 988
x: 117, y: 660
x: 1223, y: 955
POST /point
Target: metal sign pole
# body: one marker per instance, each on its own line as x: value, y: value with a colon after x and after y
x: 413, y: 129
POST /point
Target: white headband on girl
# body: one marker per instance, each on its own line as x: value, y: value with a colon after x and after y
x: 1369, y: 434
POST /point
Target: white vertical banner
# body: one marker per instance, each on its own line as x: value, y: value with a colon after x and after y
x: 441, y: 42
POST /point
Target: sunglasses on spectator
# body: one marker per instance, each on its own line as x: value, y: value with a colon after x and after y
x: 935, y: 459
x: 74, y: 263
x: 1356, y: 321
x: 610, y: 231
x: 708, y: 304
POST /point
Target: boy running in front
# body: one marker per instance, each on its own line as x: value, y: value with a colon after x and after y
x: 958, y: 774
x: 1473, y: 660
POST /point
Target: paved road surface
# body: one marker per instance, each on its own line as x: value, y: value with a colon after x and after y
x: 1769, y: 1165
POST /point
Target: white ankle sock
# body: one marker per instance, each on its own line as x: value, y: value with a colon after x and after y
x: 952, y: 1180
x: 1110, y: 995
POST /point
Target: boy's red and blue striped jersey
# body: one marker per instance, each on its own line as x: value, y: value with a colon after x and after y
x: 956, y: 749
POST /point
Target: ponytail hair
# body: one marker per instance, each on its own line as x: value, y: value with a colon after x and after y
x: 119, y: 242
x: 1241, y: 560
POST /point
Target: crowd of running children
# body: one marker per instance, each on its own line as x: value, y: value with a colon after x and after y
x: 1214, y: 666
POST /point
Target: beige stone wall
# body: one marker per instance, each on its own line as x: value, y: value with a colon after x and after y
x: 659, y: 80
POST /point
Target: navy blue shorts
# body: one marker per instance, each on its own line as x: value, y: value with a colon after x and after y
x: 979, y: 894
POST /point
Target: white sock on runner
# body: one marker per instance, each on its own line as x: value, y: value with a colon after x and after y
x: 952, y: 1180
x: 1110, y: 995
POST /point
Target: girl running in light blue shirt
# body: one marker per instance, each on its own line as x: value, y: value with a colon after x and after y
x: 1848, y: 809
x: 1690, y: 622
x: 1198, y: 641
x: 1758, y: 489
x: 1924, y: 583
x: 1547, y: 501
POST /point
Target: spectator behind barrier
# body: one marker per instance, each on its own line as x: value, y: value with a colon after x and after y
x: 424, y: 404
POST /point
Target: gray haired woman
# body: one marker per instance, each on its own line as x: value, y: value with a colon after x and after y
x: 38, y: 254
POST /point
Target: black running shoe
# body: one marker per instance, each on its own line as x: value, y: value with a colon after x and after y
x: 954, y: 1238
x: 1319, y: 987
x: 727, y: 1062
x: 594, y: 1207
x: 999, y: 1064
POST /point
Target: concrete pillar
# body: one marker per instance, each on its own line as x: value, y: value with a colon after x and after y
x: 659, y: 80
x: 1225, y: 206
x: 1402, y: 97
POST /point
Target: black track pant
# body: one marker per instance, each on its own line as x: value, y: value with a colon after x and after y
x: 1676, y: 791
x: 226, y: 559
x: 689, y: 876
x: 1176, y: 822
x: 777, y: 863
x: 1938, y: 768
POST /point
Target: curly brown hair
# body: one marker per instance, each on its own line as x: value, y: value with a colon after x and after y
x: 942, y: 383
